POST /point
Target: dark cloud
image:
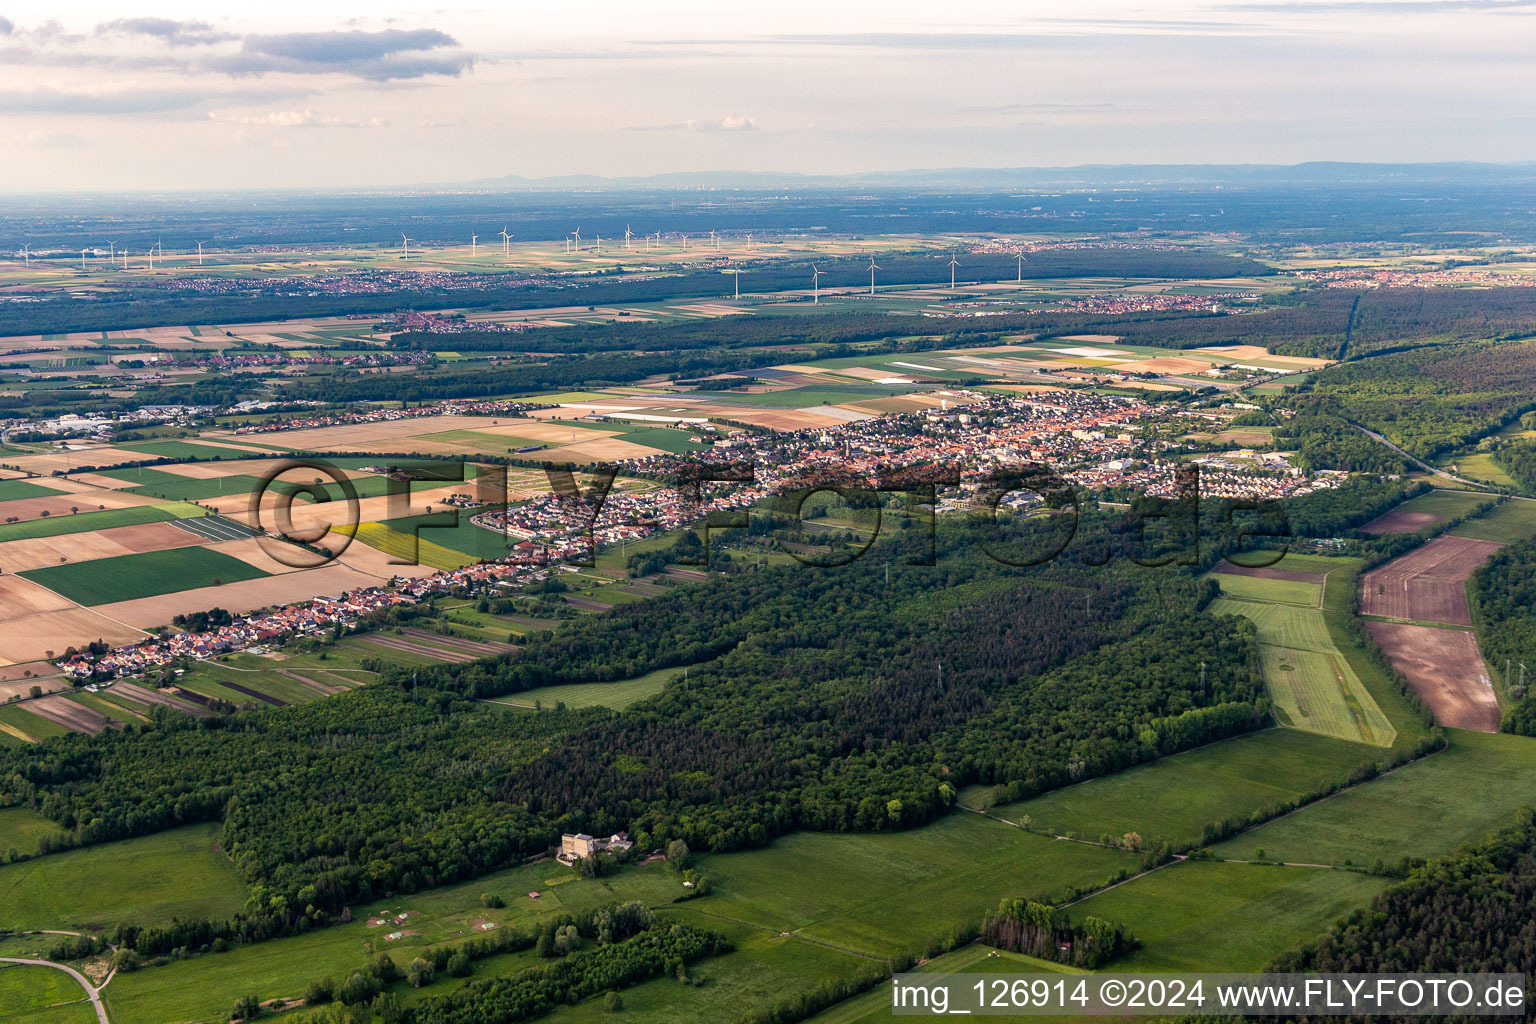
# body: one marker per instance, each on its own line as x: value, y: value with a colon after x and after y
x: 174, y: 33
x: 380, y: 56
x: 6, y: 26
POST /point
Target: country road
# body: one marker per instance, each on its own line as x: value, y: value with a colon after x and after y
x: 90, y: 990
x: 1426, y: 467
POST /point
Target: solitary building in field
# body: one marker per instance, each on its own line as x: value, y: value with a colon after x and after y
x: 574, y: 846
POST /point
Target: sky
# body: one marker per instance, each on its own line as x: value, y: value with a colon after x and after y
x: 167, y: 94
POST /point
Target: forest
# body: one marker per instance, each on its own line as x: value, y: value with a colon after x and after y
x: 1429, y: 400
x: 1503, y: 596
x: 821, y: 699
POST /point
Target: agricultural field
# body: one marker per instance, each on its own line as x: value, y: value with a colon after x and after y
x: 1313, y: 686
x: 1445, y: 668
x: 150, y: 574
x: 1426, y: 510
x: 57, y: 526
x: 14, y: 490
x: 1429, y: 584
x: 1424, y: 809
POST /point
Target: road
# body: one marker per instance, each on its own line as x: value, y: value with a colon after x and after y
x: 90, y: 990
x: 1426, y: 467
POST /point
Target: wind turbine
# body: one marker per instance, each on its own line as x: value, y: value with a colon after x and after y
x: 199, y: 253
x: 685, y: 243
x: 953, y: 263
x: 506, y: 242
x: 713, y: 239
x: 407, y: 242
x: 627, y: 234
x: 872, y: 269
x: 736, y: 272
x: 567, y: 243
x: 599, y: 245
x: 1022, y: 261
x: 111, y: 251
x: 749, y: 241
x: 26, y: 253
x: 474, y: 246
x: 578, y: 238
x: 815, y: 285
x: 82, y: 259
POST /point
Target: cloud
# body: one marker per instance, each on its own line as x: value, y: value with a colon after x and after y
x: 49, y: 140
x: 306, y: 118
x: 382, y: 56
x: 173, y: 33
x: 725, y: 124
x: 7, y: 26
x: 58, y: 101
x: 136, y: 101
x: 378, y: 56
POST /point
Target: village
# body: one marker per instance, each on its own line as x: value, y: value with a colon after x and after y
x: 1102, y: 443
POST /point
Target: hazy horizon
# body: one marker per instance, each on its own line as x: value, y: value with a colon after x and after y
x: 165, y: 97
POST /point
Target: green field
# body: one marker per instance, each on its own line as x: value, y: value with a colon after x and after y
x: 1201, y: 916
x: 175, y: 487
x: 1254, y: 588
x: 148, y: 574
x: 148, y: 881
x: 106, y: 519
x: 1478, y: 466
x: 1514, y: 520
x: 617, y: 695
x: 1174, y: 798
x: 466, y: 538
x: 20, y: 829
x: 186, y: 450
x: 42, y: 995
x: 1424, y: 809
x: 664, y: 438
x: 1445, y: 503
x: 11, y: 490
x: 880, y: 893
x: 35, y: 726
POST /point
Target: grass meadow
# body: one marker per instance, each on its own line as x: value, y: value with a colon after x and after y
x: 1512, y: 521
x: 1208, y: 916
x: 617, y: 695
x: 42, y: 995
x: 147, y: 880
x: 1172, y: 799
x: 1424, y: 809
